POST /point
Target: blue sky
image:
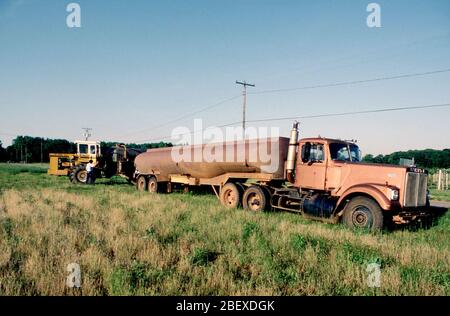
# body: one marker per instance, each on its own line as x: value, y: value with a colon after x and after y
x: 134, y: 65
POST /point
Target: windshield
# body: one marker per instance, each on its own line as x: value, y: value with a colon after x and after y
x: 83, y: 148
x: 345, y: 152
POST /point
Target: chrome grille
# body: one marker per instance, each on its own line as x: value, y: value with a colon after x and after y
x: 415, y: 189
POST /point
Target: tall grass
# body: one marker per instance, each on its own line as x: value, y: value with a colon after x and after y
x: 133, y: 243
x: 440, y: 195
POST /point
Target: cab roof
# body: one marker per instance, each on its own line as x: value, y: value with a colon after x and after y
x: 326, y: 140
x: 87, y: 142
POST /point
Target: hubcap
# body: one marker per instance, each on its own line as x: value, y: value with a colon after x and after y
x: 360, y: 217
x: 254, y: 202
x: 230, y: 199
x: 81, y: 176
x: 152, y: 186
x: 141, y: 184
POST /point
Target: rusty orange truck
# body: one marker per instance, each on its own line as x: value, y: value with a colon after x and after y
x: 320, y: 178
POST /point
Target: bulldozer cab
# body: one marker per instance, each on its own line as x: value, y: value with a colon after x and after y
x: 90, y: 149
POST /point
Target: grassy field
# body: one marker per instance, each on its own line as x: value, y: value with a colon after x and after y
x: 128, y: 242
x: 440, y: 195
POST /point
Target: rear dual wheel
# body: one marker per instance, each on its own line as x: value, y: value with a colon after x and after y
x: 231, y: 195
x: 256, y: 199
x: 152, y: 185
x: 144, y: 184
x: 141, y: 183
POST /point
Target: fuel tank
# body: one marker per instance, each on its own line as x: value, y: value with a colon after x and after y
x: 265, y: 155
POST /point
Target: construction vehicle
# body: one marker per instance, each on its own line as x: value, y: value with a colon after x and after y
x: 117, y: 160
x: 62, y: 163
x: 320, y: 178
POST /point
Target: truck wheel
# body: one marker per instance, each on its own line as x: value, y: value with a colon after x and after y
x: 230, y: 195
x: 152, y: 185
x: 79, y: 174
x: 141, y: 183
x: 363, y: 212
x: 256, y: 199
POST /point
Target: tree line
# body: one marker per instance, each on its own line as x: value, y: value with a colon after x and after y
x: 141, y: 147
x: 426, y: 158
x: 37, y: 149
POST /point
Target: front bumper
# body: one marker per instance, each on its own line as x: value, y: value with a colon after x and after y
x: 408, y: 216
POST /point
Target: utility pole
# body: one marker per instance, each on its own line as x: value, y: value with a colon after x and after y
x: 87, y: 132
x: 244, y: 107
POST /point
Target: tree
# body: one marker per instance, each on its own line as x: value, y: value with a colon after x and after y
x: 3, y: 155
x: 368, y: 158
x: 426, y: 158
x: 33, y: 149
x: 141, y: 147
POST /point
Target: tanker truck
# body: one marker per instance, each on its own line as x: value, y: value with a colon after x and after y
x: 319, y: 178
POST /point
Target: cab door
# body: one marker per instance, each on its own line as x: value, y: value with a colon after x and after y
x: 311, y: 168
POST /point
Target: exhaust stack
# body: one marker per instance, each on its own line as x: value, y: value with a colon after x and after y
x: 292, y: 153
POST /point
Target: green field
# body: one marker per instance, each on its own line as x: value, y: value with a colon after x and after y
x: 130, y: 242
x: 440, y: 195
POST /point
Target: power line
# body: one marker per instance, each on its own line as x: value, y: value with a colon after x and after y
x: 347, y: 83
x: 335, y: 84
x: 336, y: 61
x: 391, y: 109
x: 284, y: 90
x: 190, y: 114
x: 202, y: 130
x: 352, y: 113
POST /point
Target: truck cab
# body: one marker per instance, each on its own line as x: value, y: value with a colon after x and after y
x: 363, y: 194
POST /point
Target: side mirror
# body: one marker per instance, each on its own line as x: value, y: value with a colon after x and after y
x: 306, y: 152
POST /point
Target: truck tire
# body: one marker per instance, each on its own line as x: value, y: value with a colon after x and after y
x: 256, y: 199
x: 141, y: 183
x: 152, y: 185
x: 78, y: 175
x: 231, y: 195
x: 363, y: 212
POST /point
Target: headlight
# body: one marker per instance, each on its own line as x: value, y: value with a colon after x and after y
x: 393, y: 194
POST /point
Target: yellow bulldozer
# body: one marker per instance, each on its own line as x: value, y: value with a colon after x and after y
x: 118, y: 160
x: 62, y: 163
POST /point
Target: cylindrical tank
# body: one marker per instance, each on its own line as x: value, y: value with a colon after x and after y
x: 267, y: 155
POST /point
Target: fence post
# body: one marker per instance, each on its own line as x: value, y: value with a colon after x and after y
x: 439, y: 186
x: 446, y: 179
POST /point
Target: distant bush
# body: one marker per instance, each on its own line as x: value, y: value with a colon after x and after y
x: 427, y: 158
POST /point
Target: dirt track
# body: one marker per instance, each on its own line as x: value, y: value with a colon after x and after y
x: 440, y: 204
